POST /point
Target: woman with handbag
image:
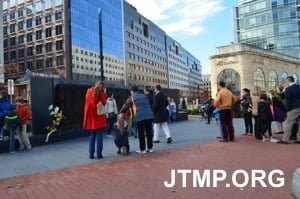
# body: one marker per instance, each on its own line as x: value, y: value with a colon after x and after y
x: 94, y: 119
x: 112, y: 111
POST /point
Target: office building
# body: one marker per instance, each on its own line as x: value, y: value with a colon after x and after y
x: 195, y: 75
x: 206, y: 85
x: 178, y: 70
x: 60, y: 37
x: 146, y: 62
x: 87, y: 17
x: 85, y: 40
x: 34, y: 37
x: 1, y: 46
x: 269, y: 24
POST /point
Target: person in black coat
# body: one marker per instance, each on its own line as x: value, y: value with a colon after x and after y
x: 246, y: 105
x: 265, y: 117
x: 161, y: 115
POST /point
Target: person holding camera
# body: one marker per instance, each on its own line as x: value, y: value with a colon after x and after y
x: 94, y: 119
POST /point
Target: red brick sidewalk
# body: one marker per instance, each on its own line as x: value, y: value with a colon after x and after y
x: 143, y: 176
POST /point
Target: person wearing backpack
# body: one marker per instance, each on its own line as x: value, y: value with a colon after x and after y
x: 4, y: 105
x: 25, y: 113
x: 12, y: 121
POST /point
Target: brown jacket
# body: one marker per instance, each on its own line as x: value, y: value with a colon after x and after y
x: 225, y: 99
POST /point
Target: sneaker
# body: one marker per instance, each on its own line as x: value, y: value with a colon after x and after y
x: 156, y: 141
x: 123, y: 150
x: 109, y: 136
x: 140, y: 152
x: 149, y: 150
x: 265, y: 139
x: 21, y: 149
x: 273, y: 140
x: 169, y: 141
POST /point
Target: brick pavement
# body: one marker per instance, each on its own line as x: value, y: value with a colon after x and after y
x: 143, y: 176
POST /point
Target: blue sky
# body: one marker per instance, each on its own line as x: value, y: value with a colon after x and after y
x: 199, y: 25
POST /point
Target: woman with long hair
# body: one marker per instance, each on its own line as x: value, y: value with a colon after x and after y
x: 255, y: 99
x: 93, y: 120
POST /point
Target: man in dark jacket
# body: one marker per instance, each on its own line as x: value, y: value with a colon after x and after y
x: 292, y: 102
x: 246, y: 104
x: 4, y: 105
x: 161, y: 115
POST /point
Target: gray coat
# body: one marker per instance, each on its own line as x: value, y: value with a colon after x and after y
x: 143, y: 109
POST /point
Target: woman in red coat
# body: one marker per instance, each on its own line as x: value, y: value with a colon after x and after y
x: 92, y: 121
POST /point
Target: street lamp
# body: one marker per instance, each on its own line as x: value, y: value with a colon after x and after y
x: 101, y: 44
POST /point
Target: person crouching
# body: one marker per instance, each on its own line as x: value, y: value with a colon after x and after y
x: 121, y: 135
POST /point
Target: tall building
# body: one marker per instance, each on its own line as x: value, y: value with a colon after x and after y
x: 93, y: 22
x: 62, y: 37
x: 178, y: 70
x: 1, y: 45
x: 84, y: 40
x: 195, y: 75
x: 269, y: 24
x: 206, y: 85
x: 35, y: 35
x: 146, y: 62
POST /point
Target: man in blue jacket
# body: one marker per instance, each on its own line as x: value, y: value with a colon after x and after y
x: 4, y: 106
x: 292, y: 102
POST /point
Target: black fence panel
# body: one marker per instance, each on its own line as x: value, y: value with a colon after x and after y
x: 70, y: 97
x: 42, y: 95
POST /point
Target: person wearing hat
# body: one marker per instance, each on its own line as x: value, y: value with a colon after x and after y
x: 12, y: 121
x: 246, y: 104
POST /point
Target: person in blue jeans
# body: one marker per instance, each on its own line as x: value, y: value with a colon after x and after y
x: 94, y: 121
x: 216, y: 114
x: 4, y: 105
x: 12, y: 122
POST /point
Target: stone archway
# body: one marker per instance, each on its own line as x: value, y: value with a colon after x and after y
x: 273, y: 80
x: 259, y: 79
x: 231, y: 78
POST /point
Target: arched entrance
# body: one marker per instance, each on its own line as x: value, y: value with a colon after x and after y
x: 231, y: 78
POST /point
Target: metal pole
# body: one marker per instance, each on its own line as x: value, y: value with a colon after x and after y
x: 101, y: 45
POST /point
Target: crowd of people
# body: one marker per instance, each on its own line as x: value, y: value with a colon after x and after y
x: 145, y: 111
x: 14, y: 118
x: 281, y: 106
